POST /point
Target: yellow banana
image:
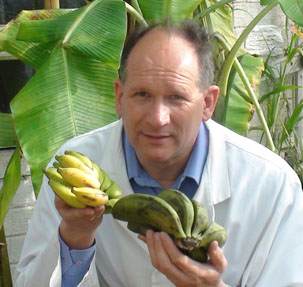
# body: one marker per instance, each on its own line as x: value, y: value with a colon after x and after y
x: 78, y: 178
x: 65, y: 193
x: 67, y: 160
x: 87, y: 161
x: 113, y: 191
x: 90, y: 196
x: 52, y: 173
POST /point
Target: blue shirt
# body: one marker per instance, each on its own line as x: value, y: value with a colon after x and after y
x: 75, y: 263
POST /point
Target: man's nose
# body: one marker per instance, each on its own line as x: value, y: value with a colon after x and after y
x: 159, y: 114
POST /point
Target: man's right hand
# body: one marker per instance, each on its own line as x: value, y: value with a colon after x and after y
x: 78, y: 225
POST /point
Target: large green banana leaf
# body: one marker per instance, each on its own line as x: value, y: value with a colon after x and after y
x: 72, y: 90
x: 240, y: 107
x: 33, y: 54
x: 292, y: 8
x: 157, y: 10
x: 222, y: 22
x: 7, y: 131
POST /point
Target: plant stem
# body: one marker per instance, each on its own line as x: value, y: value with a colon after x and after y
x: 136, y: 6
x: 211, y: 8
x: 5, y: 272
x: 131, y: 10
x: 250, y: 92
x: 51, y: 4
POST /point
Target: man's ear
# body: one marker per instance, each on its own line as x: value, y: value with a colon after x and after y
x: 118, y: 96
x: 210, y: 99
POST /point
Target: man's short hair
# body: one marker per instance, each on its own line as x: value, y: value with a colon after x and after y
x: 190, y: 31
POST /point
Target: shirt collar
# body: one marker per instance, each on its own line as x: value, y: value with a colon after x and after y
x: 193, y: 168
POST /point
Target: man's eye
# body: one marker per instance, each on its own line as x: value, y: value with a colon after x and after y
x: 142, y: 94
x: 176, y: 97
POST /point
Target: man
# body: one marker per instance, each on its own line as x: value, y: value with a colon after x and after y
x: 165, y: 139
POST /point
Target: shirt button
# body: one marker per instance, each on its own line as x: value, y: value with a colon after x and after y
x: 78, y: 262
x: 64, y: 261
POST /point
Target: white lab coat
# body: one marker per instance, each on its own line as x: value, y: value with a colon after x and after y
x: 246, y: 188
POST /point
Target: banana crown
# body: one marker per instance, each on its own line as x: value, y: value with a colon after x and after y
x: 80, y: 182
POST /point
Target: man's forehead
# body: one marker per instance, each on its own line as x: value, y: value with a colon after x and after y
x: 163, y: 47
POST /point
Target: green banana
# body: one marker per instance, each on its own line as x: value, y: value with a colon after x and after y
x: 182, y: 205
x: 199, y: 254
x: 106, y: 181
x: 52, y: 173
x: 90, y: 196
x: 138, y: 228
x: 56, y: 164
x: 114, y: 191
x: 110, y: 204
x: 65, y: 193
x: 200, y: 219
x: 98, y: 170
x: 78, y: 178
x: 213, y: 232
x: 149, y: 210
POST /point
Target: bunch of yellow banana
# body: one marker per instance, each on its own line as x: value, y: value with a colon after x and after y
x: 173, y: 212
x: 80, y: 182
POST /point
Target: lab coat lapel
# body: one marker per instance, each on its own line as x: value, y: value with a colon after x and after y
x: 215, y: 185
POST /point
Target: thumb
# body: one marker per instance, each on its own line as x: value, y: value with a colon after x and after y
x: 216, y: 257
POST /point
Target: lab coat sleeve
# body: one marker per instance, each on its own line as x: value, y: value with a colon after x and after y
x: 278, y: 259
x: 40, y: 263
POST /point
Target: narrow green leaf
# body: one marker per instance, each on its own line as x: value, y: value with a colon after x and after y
x: 292, y: 121
x: 7, y: 131
x: 277, y: 91
x: 11, y: 182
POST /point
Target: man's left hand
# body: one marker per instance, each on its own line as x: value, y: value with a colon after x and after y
x: 180, y: 269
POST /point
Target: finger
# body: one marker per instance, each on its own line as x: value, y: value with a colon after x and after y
x: 216, y: 257
x: 151, y: 247
x: 168, y: 257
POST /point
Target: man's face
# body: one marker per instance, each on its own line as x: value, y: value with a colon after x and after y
x: 160, y: 102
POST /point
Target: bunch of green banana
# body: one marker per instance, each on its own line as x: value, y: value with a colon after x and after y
x: 80, y: 182
x: 173, y: 212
